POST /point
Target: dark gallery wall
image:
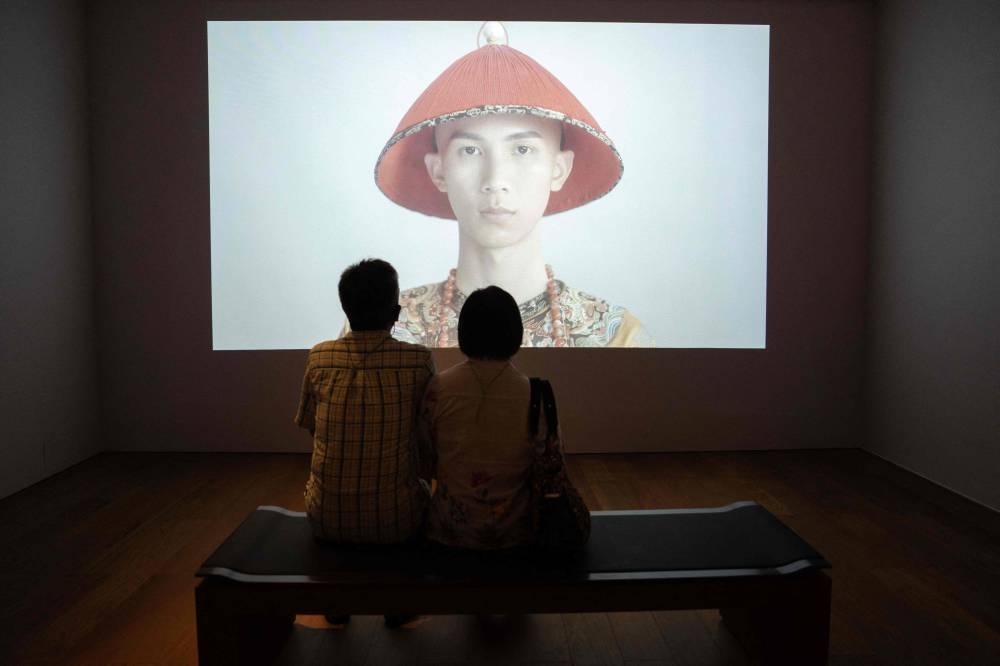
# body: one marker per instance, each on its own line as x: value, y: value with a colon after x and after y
x: 104, y: 202
x: 48, y: 344
x: 163, y: 388
x: 934, y: 308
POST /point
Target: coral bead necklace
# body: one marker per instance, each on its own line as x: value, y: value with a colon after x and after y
x: 557, y: 331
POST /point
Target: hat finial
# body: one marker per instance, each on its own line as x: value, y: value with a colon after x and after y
x: 493, y: 32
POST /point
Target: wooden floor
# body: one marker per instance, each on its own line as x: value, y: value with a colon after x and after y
x: 97, y: 563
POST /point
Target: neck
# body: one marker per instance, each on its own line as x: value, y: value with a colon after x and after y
x: 518, y: 269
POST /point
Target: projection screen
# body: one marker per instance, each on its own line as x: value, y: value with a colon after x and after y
x: 300, y: 113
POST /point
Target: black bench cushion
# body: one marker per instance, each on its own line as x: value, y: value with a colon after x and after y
x: 742, y: 539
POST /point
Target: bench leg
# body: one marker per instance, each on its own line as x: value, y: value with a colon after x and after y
x: 228, y: 638
x: 796, y: 633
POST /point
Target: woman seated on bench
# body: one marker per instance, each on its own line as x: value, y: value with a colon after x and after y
x: 475, y: 422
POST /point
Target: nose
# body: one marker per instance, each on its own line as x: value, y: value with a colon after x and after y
x: 495, y: 177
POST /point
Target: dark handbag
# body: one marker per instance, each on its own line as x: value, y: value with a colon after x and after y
x: 560, y: 516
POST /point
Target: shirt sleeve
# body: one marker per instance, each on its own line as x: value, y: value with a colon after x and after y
x: 306, y: 415
x: 431, y: 368
x: 631, y: 333
x: 425, y: 431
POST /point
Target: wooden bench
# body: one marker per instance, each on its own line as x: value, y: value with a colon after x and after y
x: 768, y: 583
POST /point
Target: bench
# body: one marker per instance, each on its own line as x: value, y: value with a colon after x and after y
x: 767, y: 582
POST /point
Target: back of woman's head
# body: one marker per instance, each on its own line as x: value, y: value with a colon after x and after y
x: 489, y: 325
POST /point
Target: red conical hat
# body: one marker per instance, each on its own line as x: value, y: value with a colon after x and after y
x: 495, y: 79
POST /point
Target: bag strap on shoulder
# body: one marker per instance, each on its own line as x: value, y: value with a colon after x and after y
x: 535, y: 404
x: 542, y: 398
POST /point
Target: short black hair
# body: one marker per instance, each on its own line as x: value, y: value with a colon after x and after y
x: 369, y: 294
x: 489, y: 326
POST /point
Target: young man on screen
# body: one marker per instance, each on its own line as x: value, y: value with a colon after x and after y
x: 496, y: 142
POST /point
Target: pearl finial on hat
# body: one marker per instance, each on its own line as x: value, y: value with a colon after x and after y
x: 493, y: 32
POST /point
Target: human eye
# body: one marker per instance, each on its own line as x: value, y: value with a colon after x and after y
x: 524, y: 150
x: 470, y: 150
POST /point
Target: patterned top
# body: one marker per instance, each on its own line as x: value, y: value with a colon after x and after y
x: 360, y: 397
x: 589, y: 321
x: 476, y: 416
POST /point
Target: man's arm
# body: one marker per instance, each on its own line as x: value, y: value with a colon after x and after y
x: 426, y: 452
x: 306, y: 415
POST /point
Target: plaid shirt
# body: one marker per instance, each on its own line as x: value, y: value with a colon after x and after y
x: 359, y: 399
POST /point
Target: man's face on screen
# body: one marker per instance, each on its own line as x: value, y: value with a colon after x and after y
x: 498, y: 171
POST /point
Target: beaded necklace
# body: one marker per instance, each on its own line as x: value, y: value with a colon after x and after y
x: 557, y: 332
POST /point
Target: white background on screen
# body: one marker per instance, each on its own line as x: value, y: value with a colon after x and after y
x: 299, y: 111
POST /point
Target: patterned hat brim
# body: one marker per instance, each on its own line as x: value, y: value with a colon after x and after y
x: 400, y: 172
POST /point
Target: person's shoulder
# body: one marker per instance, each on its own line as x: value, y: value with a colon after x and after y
x: 421, y: 294
x: 419, y: 312
x: 453, y: 377
x: 587, y: 309
x: 586, y: 298
x: 460, y: 369
x: 325, y: 354
x: 631, y: 333
x: 404, y: 347
x: 597, y: 322
x: 408, y: 355
x: 326, y: 346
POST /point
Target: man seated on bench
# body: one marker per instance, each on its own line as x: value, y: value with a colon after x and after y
x: 359, y: 401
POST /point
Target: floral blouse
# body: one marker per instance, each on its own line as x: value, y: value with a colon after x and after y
x: 474, y: 420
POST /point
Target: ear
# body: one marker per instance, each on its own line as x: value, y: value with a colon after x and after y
x: 433, y: 163
x: 561, y: 169
x: 396, y: 310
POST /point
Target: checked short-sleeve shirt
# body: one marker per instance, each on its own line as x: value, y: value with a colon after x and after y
x: 360, y: 397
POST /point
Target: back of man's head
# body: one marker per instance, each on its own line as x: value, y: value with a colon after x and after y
x: 369, y: 294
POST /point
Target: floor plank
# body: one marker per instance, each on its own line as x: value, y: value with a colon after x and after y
x: 638, y: 637
x: 591, y: 640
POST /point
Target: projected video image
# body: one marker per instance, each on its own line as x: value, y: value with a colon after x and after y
x: 611, y: 177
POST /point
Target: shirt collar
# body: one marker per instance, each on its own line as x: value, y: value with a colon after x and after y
x: 367, y: 339
x: 488, y: 363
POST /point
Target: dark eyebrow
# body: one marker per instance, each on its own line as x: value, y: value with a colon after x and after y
x: 465, y: 135
x: 530, y: 134
x: 517, y: 136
